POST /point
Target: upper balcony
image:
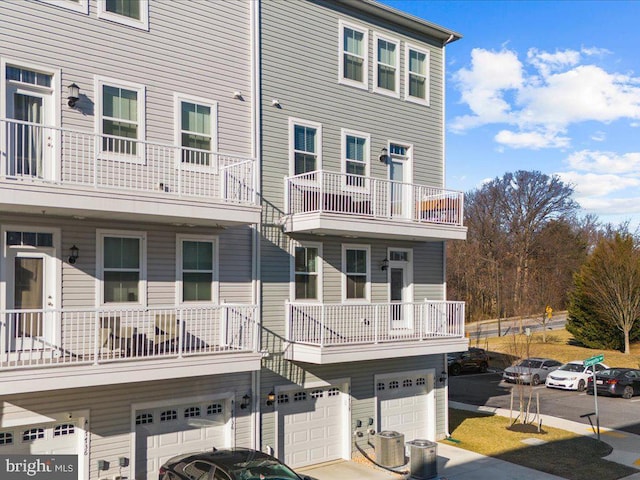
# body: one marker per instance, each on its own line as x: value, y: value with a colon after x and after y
x: 52, y: 349
x: 329, y: 203
x: 55, y: 171
x: 336, y: 333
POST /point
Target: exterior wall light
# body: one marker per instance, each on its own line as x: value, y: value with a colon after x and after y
x: 74, y: 254
x: 74, y: 95
x: 271, y: 398
x: 245, y: 401
x: 384, y: 265
x: 384, y: 155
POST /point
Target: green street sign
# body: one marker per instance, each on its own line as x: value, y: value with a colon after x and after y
x: 593, y: 360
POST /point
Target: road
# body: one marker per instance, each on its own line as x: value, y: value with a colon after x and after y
x: 488, y: 389
x: 510, y: 325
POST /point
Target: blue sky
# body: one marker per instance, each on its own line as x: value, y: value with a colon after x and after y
x: 543, y: 85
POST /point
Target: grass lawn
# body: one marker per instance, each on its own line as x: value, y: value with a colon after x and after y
x: 565, y: 454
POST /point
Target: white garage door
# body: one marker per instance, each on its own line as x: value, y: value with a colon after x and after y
x: 164, y: 432
x: 41, y: 439
x: 404, y: 405
x: 310, y: 425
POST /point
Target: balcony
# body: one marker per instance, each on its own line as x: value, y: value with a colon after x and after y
x: 53, y: 349
x: 328, y: 203
x: 336, y: 333
x: 54, y: 171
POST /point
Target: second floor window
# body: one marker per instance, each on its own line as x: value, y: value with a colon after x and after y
x: 356, y: 262
x: 120, y: 120
x: 355, y: 158
x: 197, y: 271
x: 306, y: 273
x: 133, y: 13
x: 305, y: 149
x: 196, y: 133
x: 126, y: 8
x: 121, y: 269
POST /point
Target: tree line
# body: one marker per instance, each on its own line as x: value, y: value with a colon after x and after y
x: 527, y: 247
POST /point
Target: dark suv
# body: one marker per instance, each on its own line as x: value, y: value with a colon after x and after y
x: 475, y: 359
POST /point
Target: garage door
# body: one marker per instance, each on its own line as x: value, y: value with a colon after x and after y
x: 164, y: 432
x: 310, y: 425
x: 404, y: 405
x: 59, y: 438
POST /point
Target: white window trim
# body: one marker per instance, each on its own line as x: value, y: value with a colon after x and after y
x: 178, y: 98
x: 365, y: 40
x: 304, y: 123
x: 215, y: 285
x: 427, y: 91
x: 82, y: 6
x: 100, y: 235
x: 367, y: 289
x: 142, y: 24
x: 140, y: 155
x: 396, y: 91
x: 343, y: 156
x: 292, y: 271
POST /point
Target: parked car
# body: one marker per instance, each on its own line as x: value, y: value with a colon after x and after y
x: 573, y: 375
x: 475, y: 359
x: 532, y: 370
x: 623, y: 382
x: 231, y: 464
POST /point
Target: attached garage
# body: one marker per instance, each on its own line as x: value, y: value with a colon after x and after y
x: 312, y: 424
x: 168, y: 430
x: 406, y: 404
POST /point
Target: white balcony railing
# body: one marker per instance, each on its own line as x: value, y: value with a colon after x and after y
x: 75, y: 337
x: 35, y: 152
x: 340, y: 193
x: 349, y: 324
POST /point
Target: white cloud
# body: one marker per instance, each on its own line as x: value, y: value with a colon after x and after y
x: 590, y: 186
x: 532, y: 140
x: 605, y: 162
x: 598, y: 136
x: 547, y: 62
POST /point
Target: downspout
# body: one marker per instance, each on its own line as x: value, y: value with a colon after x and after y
x: 256, y: 153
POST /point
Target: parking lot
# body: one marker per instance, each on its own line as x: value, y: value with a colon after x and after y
x: 488, y: 389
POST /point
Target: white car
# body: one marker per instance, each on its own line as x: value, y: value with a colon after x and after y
x: 572, y: 376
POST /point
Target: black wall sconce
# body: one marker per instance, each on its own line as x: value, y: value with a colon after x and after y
x: 384, y: 265
x: 245, y: 401
x: 74, y: 254
x: 384, y: 155
x: 74, y: 95
x: 443, y: 377
x: 103, y: 465
x: 123, y: 461
x: 271, y: 398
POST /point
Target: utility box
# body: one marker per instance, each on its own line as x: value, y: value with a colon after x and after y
x: 389, y: 447
x: 424, y: 459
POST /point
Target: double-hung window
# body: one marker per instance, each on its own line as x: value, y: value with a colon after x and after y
x: 81, y: 6
x: 353, y: 66
x: 356, y: 272
x: 121, y: 120
x: 355, y: 156
x: 122, y: 263
x: 387, y: 72
x: 134, y: 13
x: 197, y: 273
x: 306, y: 140
x: 307, y: 272
x: 196, y: 130
x: 417, y: 75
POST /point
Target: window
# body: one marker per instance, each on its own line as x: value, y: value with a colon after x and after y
x: 417, y: 75
x: 386, y: 71
x: 133, y: 13
x: 353, y: 69
x: 306, y: 139
x: 31, y: 77
x: 356, y: 272
x: 121, y: 114
x: 306, y: 272
x: 81, y: 6
x: 197, y: 272
x: 355, y: 147
x: 196, y: 132
x: 122, y: 268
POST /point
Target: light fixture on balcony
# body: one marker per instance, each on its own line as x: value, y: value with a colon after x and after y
x: 74, y: 254
x: 443, y: 377
x: 74, y: 95
x: 245, y: 401
x: 384, y: 265
x: 384, y: 155
x: 271, y: 398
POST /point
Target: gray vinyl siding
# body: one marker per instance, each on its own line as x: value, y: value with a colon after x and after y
x: 111, y: 411
x: 302, y: 74
x: 193, y: 48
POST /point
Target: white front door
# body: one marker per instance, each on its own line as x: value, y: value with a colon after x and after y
x: 400, y: 290
x: 29, y: 140
x: 399, y: 175
x: 30, y: 275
